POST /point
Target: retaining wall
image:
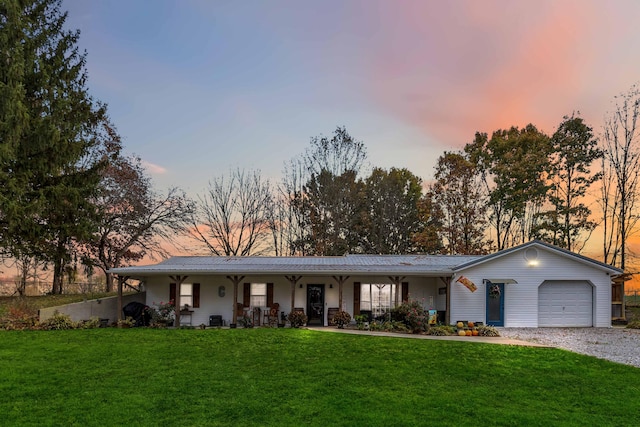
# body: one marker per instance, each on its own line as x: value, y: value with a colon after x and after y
x: 104, y: 308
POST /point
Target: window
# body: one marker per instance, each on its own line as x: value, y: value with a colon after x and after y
x: 258, y: 295
x: 189, y: 294
x: 378, y: 298
x: 186, y: 294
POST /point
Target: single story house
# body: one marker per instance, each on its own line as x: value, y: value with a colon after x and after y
x: 532, y: 285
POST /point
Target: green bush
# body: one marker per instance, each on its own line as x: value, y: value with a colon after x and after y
x: 58, y: 321
x: 362, y: 321
x: 388, y: 326
x: 92, y: 323
x: 441, y: 330
x: 413, y: 314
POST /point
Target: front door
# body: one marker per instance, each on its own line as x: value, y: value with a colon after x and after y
x: 315, y: 305
x: 495, y: 304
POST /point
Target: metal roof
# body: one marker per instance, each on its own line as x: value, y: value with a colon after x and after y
x: 348, y: 264
x: 540, y: 243
x: 408, y: 265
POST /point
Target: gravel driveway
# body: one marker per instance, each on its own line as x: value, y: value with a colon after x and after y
x: 616, y: 344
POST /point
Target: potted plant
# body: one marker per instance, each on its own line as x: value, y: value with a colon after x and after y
x: 341, y: 318
x: 246, y: 322
x: 297, y: 319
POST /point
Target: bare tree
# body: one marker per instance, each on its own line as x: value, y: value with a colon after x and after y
x: 287, y: 220
x: 28, y: 270
x: 342, y: 153
x: 621, y: 173
x: 135, y: 220
x: 232, y: 218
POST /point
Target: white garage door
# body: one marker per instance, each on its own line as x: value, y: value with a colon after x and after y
x: 564, y: 303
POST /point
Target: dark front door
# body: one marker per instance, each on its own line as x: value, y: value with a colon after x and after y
x: 495, y: 304
x: 315, y: 305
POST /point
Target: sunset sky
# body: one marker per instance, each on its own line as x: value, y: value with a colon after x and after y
x: 196, y: 87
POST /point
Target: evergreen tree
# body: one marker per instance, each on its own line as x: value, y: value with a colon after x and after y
x: 50, y: 132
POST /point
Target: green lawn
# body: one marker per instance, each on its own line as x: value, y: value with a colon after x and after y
x: 289, y: 377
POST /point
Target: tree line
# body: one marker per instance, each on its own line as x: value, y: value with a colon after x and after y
x: 72, y: 202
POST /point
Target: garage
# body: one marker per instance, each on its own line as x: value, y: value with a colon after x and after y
x: 565, y: 304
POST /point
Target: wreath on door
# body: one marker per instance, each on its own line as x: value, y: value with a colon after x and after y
x: 494, y: 291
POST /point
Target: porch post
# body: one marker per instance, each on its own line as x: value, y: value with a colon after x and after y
x: 447, y: 283
x: 179, y: 280
x: 235, y: 280
x: 340, y: 280
x: 396, y: 280
x: 121, y: 280
x: 293, y: 280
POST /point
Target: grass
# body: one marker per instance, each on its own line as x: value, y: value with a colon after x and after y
x: 44, y: 301
x: 290, y: 377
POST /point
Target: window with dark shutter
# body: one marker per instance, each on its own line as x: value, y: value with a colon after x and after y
x: 269, y: 294
x: 405, y: 291
x: 356, y: 298
x: 172, y: 292
x: 196, y: 295
x: 246, y: 295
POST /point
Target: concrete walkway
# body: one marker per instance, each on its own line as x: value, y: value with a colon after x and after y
x: 485, y: 340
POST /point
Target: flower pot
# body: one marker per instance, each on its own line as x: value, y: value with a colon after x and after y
x: 232, y: 325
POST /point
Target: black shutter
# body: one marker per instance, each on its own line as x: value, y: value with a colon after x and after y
x: 405, y: 291
x: 356, y: 298
x: 269, y: 294
x: 172, y: 292
x: 246, y: 295
x: 196, y: 295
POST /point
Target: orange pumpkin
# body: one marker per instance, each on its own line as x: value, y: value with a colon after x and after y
x: 468, y: 332
x: 470, y: 324
x: 474, y: 333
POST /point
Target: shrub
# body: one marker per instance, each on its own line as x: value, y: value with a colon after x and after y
x: 297, y: 319
x: 341, y: 318
x: 126, y: 323
x: 413, y: 314
x: 246, y: 321
x: 58, y: 321
x: 488, y: 331
x: 388, y: 326
x: 362, y: 321
x: 19, y: 314
x: 634, y: 324
x: 441, y: 330
x: 92, y: 323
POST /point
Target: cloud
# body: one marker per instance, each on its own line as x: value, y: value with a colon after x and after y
x: 153, y: 168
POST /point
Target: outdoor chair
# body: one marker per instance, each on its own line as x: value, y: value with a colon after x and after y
x: 239, y: 311
x: 271, y: 315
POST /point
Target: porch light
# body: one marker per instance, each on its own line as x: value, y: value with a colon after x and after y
x: 532, y: 262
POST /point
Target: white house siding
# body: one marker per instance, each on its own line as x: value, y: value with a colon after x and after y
x: 424, y: 289
x: 521, y: 299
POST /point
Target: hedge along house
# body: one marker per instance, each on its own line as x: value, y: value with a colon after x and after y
x: 531, y: 285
